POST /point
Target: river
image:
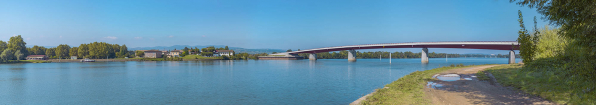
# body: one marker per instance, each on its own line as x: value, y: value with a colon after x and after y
x: 325, y: 81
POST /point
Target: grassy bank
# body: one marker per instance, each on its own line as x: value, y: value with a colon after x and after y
x: 406, y: 90
x: 198, y: 57
x: 28, y: 61
x: 554, y: 85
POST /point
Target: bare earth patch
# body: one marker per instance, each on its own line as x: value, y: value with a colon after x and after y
x: 469, y: 90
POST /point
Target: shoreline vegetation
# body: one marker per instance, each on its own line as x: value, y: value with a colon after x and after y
x: 408, y: 89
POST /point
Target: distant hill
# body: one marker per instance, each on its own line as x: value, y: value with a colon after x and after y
x: 236, y: 49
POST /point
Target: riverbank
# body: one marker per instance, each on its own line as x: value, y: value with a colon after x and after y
x: 424, y: 87
x: 406, y: 90
x: 554, y: 85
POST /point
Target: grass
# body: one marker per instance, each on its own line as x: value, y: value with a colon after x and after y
x: 482, y: 76
x: 555, y: 85
x: 198, y: 57
x: 27, y: 61
x: 406, y: 90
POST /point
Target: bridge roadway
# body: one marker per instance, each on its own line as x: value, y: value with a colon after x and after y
x: 492, y: 45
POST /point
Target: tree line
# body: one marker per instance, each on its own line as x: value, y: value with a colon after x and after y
x: 16, y: 49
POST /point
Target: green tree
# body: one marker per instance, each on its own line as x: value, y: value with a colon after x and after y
x: 140, y: 53
x: 525, y: 40
x: 226, y: 48
x: 50, y: 52
x: 17, y: 43
x: 6, y: 55
x: 576, y: 18
x: 18, y: 55
x: 123, y: 51
x: 62, y: 51
x: 73, y: 52
x: 83, y: 51
x: 3, y: 45
x: 37, y: 50
x: 289, y: 50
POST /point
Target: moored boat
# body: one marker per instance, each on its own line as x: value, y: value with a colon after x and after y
x: 87, y: 60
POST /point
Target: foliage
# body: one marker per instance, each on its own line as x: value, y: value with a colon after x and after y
x: 576, y: 18
x: 73, y: 52
x: 525, y: 41
x: 62, y: 51
x: 83, y: 51
x: 3, y: 45
x: 18, y: 55
x: 37, y: 50
x: 226, y: 48
x: 140, y: 53
x: 550, y: 43
x: 406, y: 90
x: 577, y: 23
x: 123, y: 52
x: 17, y: 43
x: 552, y: 84
x: 289, y: 50
x: 6, y: 55
x: 50, y: 52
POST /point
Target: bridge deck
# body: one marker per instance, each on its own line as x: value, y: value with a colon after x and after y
x: 493, y: 45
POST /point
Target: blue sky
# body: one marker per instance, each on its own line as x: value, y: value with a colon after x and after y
x: 278, y: 24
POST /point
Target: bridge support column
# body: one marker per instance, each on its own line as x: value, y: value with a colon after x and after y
x: 424, y: 56
x: 511, y: 57
x: 352, y: 55
x: 312, y: 56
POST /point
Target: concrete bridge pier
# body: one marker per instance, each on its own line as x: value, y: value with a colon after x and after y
x: 511, y: 57
x: 312, y: 56
x: 424, y: 56
x: 352, y: 55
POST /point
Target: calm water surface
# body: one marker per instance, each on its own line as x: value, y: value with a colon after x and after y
x: 325, y: 81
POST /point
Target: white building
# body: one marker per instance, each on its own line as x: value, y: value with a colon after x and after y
x: 224, y: 52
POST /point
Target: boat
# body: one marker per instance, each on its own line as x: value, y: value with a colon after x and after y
x: 87, y: 60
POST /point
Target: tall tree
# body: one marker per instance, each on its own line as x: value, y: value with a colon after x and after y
x: 123, y: 51
x: 226, y: 48
x: 525, y: 40
x: 17, y: 43
x: 50, y: 52
x: 62, y: 51
x: 83, y: 51
x: 73, y: 52
x: 3, y: 45
x: 576, y: 18
x: 18, y: 55
x: 6, y: 55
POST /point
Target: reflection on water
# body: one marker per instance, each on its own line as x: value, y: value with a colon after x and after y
x: 324, y: 81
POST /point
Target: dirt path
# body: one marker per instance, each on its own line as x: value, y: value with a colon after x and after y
x: 467, y: 89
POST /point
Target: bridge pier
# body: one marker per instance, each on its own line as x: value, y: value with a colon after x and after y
x: 424, y: 56
x: 312, y: 56
x: 352, y: 55
x: 511, y: 57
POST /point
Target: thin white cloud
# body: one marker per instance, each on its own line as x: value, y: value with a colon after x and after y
x: 138, y: 37
x: 28, y: 38
x: 203, y: 35
x: 111, y: 37
x: 171, y: 36
x: 60, y: 36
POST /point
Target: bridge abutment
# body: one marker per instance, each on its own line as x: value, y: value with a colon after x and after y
x: 424, y: 56
x: 312, y: 56
x: 352, y: 55
x: 511, y: 57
